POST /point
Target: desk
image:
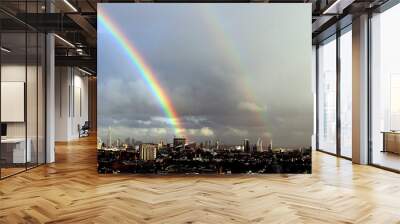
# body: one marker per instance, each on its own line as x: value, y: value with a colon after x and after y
x: 391, y: 141
x: 16, y: 147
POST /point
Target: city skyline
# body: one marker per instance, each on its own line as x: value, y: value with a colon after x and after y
x: 117, y: 142
x: 242, y: 93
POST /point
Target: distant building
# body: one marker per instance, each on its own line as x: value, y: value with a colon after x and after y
x: 246, y: 145
x: 270, y: 145
x: 148, y: 151
x: 179, y: 142
x: 118, y: 142
x: 99, y: 143
x: 191, y: 145
x: 109, y: 138
x: 217, y: 144
x: 133, y: 141
x: 128, y: 141
x: 254, y: 148
x: 161, y: 144
x: 259, y: 145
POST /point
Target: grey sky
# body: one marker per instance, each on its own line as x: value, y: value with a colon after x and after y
x: 232, y: 71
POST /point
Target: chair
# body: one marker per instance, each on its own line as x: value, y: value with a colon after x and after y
x: 84, y: 130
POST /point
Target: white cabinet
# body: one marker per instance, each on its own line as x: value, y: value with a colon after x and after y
x: 19, y: 154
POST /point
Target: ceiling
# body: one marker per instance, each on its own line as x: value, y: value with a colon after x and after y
x: 74, y: 21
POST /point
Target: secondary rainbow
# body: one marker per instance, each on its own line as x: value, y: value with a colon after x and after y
x: 226, y: 44
x: 144, y: 70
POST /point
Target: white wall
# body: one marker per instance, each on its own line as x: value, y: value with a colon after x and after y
x: 71, y: 94
x: 12, y: 73
x: 33, y: 127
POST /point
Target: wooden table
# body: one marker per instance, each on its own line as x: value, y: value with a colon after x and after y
x: 391, y: 141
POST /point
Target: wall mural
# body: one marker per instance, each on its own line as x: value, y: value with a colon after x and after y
x: 204, y: 88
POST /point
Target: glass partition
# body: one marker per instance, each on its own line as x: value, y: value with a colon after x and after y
x: 31, y: 98
x: 346, y: 93
x: 327, y: 96
x: 14, y: 153
x: 22, y: 91
x: 385, y: 89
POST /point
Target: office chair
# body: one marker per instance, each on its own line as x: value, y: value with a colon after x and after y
x: 84, y: 130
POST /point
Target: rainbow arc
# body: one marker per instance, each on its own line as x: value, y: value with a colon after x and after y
x: 144, y: 71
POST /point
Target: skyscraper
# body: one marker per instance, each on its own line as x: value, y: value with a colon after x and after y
x: 246, y: 145
x: 99, y: 143
x: 270, y: 145
x: 118, y: 142
x: 259, y: 145
x: 161, y: 144
x: 128, y: 141
x: 109, y: 142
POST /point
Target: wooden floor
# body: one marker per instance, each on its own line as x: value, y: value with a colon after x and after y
x: 5, y: 172
x: 70, y: 191
x: 387, y: 159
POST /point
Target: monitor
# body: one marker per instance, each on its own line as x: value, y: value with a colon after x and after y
x: 3, y: 129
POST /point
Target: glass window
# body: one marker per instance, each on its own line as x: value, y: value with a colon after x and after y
x: 385, y: 89
x: 327, y: 96
x: 346, y: 94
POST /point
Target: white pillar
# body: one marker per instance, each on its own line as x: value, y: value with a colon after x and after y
x: 360, y: 90
x: 50, y: 99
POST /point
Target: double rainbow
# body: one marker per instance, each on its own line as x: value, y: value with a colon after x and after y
x: 144, y: 70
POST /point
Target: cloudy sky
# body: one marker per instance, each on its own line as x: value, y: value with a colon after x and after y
x: 232, y: 71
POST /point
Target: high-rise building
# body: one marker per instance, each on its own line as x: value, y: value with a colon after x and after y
x: 259, y: 145
x: 246, y: 145
x: 128, y: 141
x: 118, y: 142
x: 270, y: 145
x: 161, y: 144
x: 179, y: 142
x: 109, y: 138
x: 133, y: 141
x: 148, y: 151
x: 99, y: 143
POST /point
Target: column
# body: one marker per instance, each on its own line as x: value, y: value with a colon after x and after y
x: 360, y: 90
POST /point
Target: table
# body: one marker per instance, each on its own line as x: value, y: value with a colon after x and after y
x: 391, y: 141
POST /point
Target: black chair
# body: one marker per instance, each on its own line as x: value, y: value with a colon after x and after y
x: 84, y: 130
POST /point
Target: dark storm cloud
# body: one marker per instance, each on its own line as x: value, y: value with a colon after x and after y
x: 260, y: 88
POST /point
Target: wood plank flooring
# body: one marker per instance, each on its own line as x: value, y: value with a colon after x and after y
x: 71, y: 191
